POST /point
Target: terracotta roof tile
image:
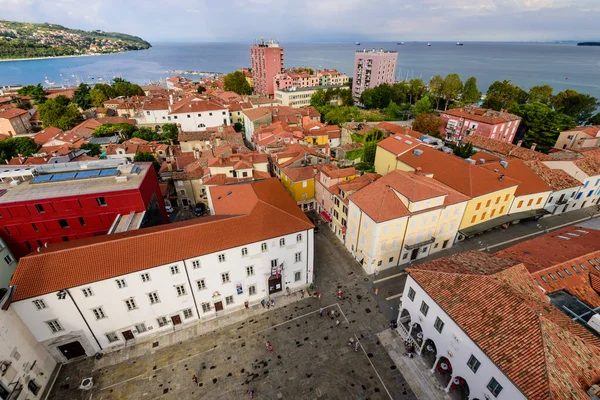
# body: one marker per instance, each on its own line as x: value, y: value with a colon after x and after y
x: 506, y: 149
x: 529, y: 182
x: 557, y: 179
x: 334, y: 172
x: 255, y: 212
x: 484, y: 115
x: 299, y: 174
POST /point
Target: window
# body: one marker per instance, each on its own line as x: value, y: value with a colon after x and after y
x: 575, y: 269
x: 101, y: 201
x: 411, y: 294
x: 39, y: 304
x: 478, y: 206
x: 494, y: 387
x: 140, y: 328
x: 174, y: 269
x: 99, y: 313
x: 180, y: 290
x: 568, y: 272
x: 473, y: 363
x: 225, y: 277
x: 65, y: 238
x: 391, y: 259
x: 405, y: 255
x: 297, y: 276
x: 145, y: 277
x: 583, y: 267
x: 229, y: 300
x: 483, y: 216
x: 244, y: 251
x: 545, y: 279
x: 299, y: 238
x: 488, y: 203
x: 379, y: 263
x: 538, y: 201
x: 250, y: 270
x: 81, y: 221
x: 130, y: 304
x: 263, y: 247
x: 63, y: 223
x: 251, y: 290
x: 497, y: 200
x: 40, y: 208
x: 424, y: 308
x: 87, y: 292
x: 474, y: 218
x: 298, y: 257
x: 520, y: 204
x: 552, y: 276
x: 112, y: 337
x: 221, y: 257
x: 8, y: 259
x: 54, y: 326
x: 162, y: 321
x: 153, y: 298
x: 274, y: 263
x: 438, y: 325
x: 196, y: 264
x: 34, y: 227
x: 205, y: 307
x: 493, y: 212
x: 188, y: 313
x: 281, y: 242
x: 121, y: 283
x: 530, y: 202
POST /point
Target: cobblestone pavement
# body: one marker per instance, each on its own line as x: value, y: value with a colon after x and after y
x: 311, y: 358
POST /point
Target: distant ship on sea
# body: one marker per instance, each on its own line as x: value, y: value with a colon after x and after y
x: 358, y: 43
x: 459, y: 44
x: 429, y: 44
x: 400, y: 43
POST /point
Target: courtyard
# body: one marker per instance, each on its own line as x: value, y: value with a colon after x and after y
x: 311, y: 358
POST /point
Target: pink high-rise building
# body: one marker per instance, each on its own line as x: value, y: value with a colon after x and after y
x: 267, y: 61
x: 372, y: 68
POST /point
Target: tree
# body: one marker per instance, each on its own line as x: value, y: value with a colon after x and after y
x: 393, y: 111
x: 36, y: 92
x: 428, y: 123
x: 238, y: 126
x: 369, y: 152
x: 416, y: 90
x: 121, y: 87
x: 435, y: 88
x: 470, y: 92
x: 338, y: 115
x: 367, y: 98
x: 147, y: 157
x: 317, y: 100
x: 540, y: 94
x: 504, y: 95
x: 595, y: 120
x: 81, y: 96
x: 58, y: 112
x: 236, y: 82
x: 425, y: 105
x: 542, y: 124
x: 146, y: 134
x: 576, y: 105
x: 12, y: 147
x: 100, y: 93
x: 400, y: 92
x: 93, y: 149
x: 201, y: 89
x: 171, y: 132
x: 464, y: 150
x: 110, y: 129
x: 451, y: 88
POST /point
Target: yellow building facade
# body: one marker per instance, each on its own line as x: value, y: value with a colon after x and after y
x: 300, y: 184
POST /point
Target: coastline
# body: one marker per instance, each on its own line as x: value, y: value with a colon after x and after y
x: 71, y: 56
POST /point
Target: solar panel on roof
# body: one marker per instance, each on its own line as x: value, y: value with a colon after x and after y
x: 63, y: 177
x: 108, y: 172
x: 87, y: 174
x: 41, y: 179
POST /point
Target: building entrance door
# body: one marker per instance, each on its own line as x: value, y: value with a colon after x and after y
x: 275, y: 284
x: 414, y: 254
x: 176, y: 319
x: 72, y: 350
x: 219, y: 306
x: 128, y: 335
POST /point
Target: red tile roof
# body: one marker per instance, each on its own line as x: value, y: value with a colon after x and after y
x: 557, y: 179
x: 45, y: 135
x: 529, y: 182
x: 248, y: 213
x: 543, y: 352
x: 380, y: 200
x: 471, y: 180
x: 194, y: 104
x: 399, y: 130
x: 398, y: 144
x: 335, y: 173
x: 299, y: 174
x: 12, y: 113
x: 506, y: 149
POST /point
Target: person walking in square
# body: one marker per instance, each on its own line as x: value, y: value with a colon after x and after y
x: 340, y: 295
x: 337, y: 322
x: 301, y: 293
x: 194, y: 379
x: 272, y: 302
x: 356, y: 346
x: 263, y: 303
x: 321, y: 312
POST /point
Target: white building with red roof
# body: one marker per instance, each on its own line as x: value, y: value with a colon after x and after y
x: 196, y: 114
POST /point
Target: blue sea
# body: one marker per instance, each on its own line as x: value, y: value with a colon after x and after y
x: 561, y: 66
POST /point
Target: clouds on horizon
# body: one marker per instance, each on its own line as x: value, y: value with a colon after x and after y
x: 321, y: 20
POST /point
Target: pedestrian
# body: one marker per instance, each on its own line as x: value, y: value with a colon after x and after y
x: 376, y: 273
x: 263, y: 303
x: 194, y: 379
x: 337, y: 322
x: 268, y: 305
x: 251, y: 393
x: 267, y: 345
x: 246, y: 305
x: 272, y: 302
x: 376, y: 291
x: 287, y: 291
x: 350, y: 341
x: 301, y: 293
x: 321, y: 312
x: 333, y: 313
x: 340, y: 295
x: 319, y: 295
x: 270, y: 348
x: 356, y: 346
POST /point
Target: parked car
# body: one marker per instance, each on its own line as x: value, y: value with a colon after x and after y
x: 200, y: 209
x: 169, y: 208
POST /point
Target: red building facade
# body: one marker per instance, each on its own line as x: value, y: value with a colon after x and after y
x: 458, y: 123
x: 267, y: 61
x: 37, y: 212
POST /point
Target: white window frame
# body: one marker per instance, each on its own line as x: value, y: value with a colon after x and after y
x: 251, y: 290
x: 174, y: 269
x: 222, y: 257
x: 225, y: 278
x: 180, y: 290
x: 201, y: 284
x: 162, y: 321
x: 112, y: 337
x: 153, y: 297
x: 54, y: 325
x: 250, y: 270
x: 145, y: 277
x: 188, y: 313
x: 263, y: 247
x: 298, y: 257
x: 244, y: 251
x: 229, y: 300
x: 40, y: 304
x: 196, y: 264
x: 130, y: 304
x: 98, y: 313
x: 297, y: 276
x: 121, y: 283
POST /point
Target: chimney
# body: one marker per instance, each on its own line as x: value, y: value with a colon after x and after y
x: 519, y: 143
x: 418, y: 170
x: 533, y: 145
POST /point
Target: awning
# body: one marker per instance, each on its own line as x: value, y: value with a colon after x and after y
x: 325, y: 215
x: 505, y: 219
x: 416, y: 245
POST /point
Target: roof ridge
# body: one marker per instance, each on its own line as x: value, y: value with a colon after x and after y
x: 259, y: 200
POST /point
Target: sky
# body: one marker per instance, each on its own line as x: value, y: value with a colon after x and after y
x: 321, y: 20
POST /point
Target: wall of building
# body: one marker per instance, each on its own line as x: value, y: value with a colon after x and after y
x: 155, y: 117
x: 382, y: 70
x: 529, y: 202
x: 26, y: 359
x: 385, y: 162
x: 454, y: 344
x: 199, y: 121
x: 301, y: 191
x: 8, y: 264
x: 458, y: 128
x: 75, y: 312
x: 488, y: 206
x: 560, y: 201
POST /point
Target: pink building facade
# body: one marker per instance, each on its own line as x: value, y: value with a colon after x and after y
x: 372, y: 68
x: 267, y: 61
x: 458, y: 123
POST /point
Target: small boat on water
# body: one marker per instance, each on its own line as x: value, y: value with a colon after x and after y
x: 459, y: 44
x: 358, y: 43
x: 400, y: 43
x: 429, y: 44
